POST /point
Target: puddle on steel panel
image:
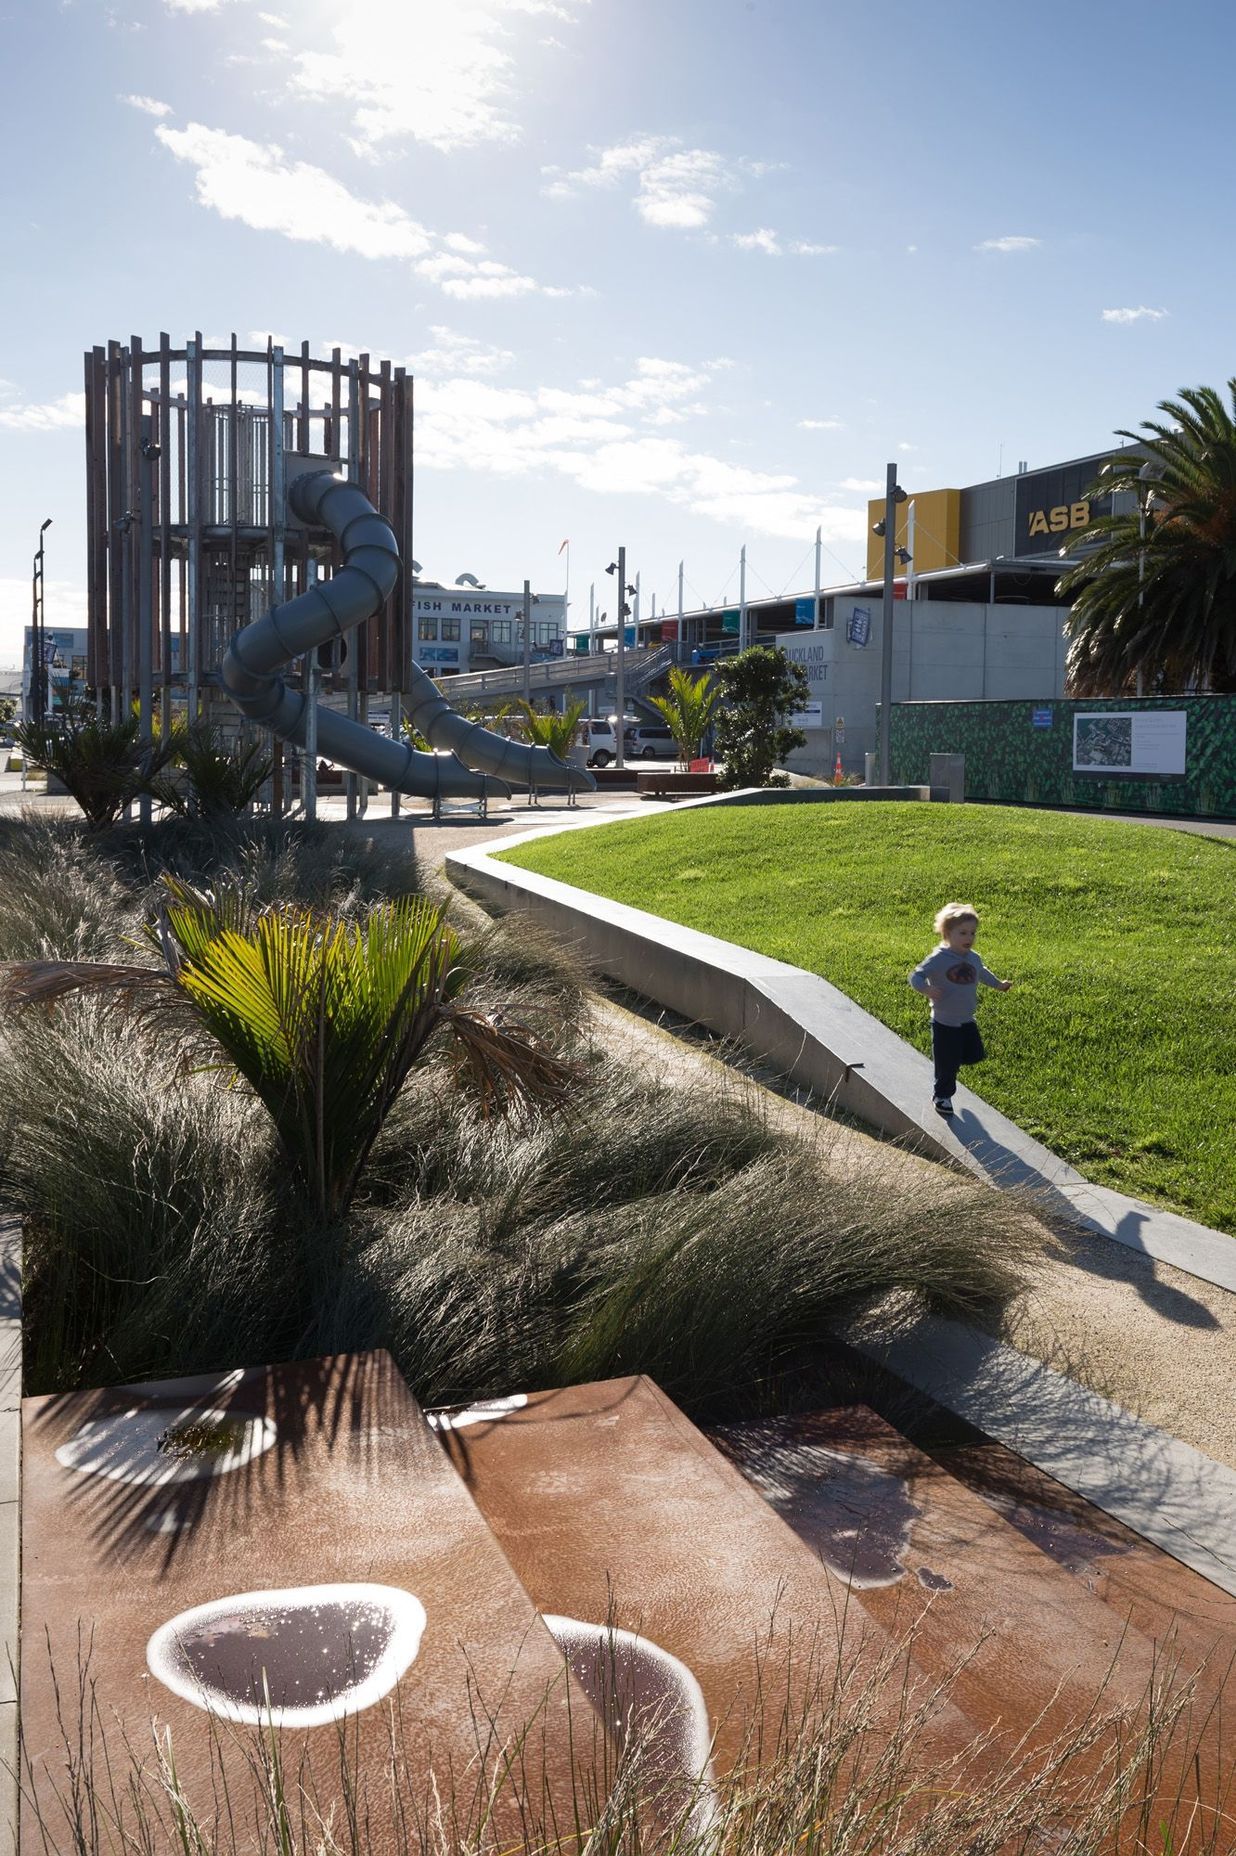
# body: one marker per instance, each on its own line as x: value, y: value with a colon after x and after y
x: 302, y: 1656
x: 153, y: 1446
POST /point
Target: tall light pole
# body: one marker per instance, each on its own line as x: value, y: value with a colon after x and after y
x: 619, y: 567
x: 38, y: 654
x: 893, y: 494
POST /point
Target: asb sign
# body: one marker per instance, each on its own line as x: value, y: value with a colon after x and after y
x: 1052, y: 507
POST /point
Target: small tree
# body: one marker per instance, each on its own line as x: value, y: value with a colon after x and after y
x: 688, y: 709
x: 760, y: 690
x: 549, y: 729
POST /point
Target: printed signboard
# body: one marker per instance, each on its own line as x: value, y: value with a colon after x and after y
x: 1133, y: 742
x: 1052, y: 508
x: 804, y: 610
x: 814, y: 655
x: 438, y: 654
x: 858, y: 626
x: 1040, y: 718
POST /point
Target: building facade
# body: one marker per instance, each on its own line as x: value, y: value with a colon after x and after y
x: 457, y: 629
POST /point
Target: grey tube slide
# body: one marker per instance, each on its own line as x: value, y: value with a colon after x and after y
x: 328, y: 610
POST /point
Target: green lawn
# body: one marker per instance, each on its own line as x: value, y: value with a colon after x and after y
x: 1117, y: 1044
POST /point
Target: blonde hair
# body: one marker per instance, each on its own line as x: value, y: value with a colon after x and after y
x: 954, y: 912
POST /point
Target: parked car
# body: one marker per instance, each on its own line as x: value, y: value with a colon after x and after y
x: 598, y: 738
x: 652, y: 741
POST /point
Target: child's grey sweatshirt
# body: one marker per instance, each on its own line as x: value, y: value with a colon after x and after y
x: 959, y: 976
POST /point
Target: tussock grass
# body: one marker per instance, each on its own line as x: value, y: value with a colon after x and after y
x: 653, y: 1229
x: 1114, y: 1047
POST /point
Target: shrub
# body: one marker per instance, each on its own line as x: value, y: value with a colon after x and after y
x: 761, y: 689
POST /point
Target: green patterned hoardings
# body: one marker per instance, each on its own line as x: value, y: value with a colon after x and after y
x: 1014, y: 762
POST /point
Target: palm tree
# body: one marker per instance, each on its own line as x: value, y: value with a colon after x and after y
x: 1155, y: 600
x: 688, y: 709
x: 323, y: 1019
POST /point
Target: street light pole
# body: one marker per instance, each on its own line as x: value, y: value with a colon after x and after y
x: 892, y: 496
x: 620, y: 667
x: 38, y: 653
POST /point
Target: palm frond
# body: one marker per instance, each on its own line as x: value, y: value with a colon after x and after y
x: 508, y: 1069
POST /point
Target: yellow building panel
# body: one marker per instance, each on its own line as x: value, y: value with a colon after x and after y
x: 937, y: 532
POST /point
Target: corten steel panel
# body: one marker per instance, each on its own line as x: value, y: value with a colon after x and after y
x: 612, y: 1507
x: 353, y: 1489
x: 1036, y: 1648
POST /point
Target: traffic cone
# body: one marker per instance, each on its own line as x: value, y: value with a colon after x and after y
x: 838, y: 775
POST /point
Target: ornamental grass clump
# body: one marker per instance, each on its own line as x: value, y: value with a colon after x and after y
x: 322, y: 1018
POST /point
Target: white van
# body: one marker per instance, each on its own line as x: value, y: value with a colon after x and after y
x: 598, y: 739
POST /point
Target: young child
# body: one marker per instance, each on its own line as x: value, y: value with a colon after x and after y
x: 950, y: 979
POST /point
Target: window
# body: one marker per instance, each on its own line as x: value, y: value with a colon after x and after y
x: 450, y: 630
x: 478, y: 631
x: 544, y: 631
x: 500, y: 631
x: 427, y: 630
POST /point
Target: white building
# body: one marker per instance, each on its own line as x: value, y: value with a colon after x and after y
x: 465, y: 628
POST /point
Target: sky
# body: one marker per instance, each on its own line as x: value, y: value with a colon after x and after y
x: 681, y: 275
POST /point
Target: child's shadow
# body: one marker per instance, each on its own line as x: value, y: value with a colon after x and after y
x: 1118, y: 1258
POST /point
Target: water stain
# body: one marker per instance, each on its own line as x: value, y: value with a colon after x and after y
x: 650, y: 1700
x: 858, y: 1517
x: 298, y: 1657
x: 483, y: 1411
x: 933, y: 1581
x: 152, y: 1445
x: 1069, y: 1542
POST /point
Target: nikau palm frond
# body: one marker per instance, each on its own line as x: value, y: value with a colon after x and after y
x: 688, y: 709
x: 1155, y: 598
x: 322, y: 1018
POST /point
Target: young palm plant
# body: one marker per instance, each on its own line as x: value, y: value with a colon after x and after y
x: 104, y: 765
x: 218, y: 781
x: 323, y: 1018
x: 550, y: 729
x: 688, y: 709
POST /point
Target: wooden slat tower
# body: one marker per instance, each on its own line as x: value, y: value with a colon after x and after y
x: 204, y: 435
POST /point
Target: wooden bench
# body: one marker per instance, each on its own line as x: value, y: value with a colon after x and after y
x: 672, y: 784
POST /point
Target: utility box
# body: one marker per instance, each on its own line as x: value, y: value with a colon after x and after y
x: 949, y: 772
x: 869, y: 769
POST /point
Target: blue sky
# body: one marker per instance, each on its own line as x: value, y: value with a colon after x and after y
x: 681, y: 274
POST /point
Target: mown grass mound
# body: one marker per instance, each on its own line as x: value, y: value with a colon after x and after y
x: 1115, y: 1045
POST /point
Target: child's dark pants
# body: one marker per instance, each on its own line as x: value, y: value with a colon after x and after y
x: 951, y: 1046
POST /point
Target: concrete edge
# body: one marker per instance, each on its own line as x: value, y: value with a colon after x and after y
x: 10, y: 1526
x: 812, y: 1032
x: 1164, y: 1490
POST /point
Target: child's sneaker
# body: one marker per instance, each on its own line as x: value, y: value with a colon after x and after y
x: 943, y: 1105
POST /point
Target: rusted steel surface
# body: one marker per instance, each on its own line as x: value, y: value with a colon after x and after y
x: 612, y: 1507
x: 303, y: 1476
x: 1032, y: 1649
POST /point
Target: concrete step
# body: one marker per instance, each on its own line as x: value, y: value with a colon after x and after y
x: 144, y: 1503
x: 612, y: 1507
x: 1036, y: 1648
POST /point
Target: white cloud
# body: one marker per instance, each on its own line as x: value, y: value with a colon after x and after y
x: 255, y: 183
x: 769, y: 242
x: 68, y: 410
x: 821, y: 425
x: 194, y: 6
x: 453, y: 353
x: 1008, y: 243
x: 905, y: 447
x: 1141, y: 314
x: 150, y: 106
x: 436, y: 71
x: 764, y: 240
x: 590, y: 436
x: 672, y: 187
x: 866, y: 486
x: 258, y: 338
